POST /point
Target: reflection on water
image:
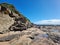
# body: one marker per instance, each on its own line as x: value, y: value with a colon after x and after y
x: 40, y: 36
x: 54, y: 30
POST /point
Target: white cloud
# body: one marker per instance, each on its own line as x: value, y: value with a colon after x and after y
x: 51, y: 21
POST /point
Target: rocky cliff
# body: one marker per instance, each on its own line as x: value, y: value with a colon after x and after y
x: 11, y: 19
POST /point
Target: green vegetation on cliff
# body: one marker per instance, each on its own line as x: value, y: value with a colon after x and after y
x: 13, y: 9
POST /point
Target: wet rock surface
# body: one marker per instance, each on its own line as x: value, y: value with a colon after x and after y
x: 31, y: 36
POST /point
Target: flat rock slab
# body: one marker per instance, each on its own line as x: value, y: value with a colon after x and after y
x: 9, y: 37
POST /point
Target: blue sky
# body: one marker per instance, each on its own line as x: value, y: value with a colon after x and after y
x: 37, y: 10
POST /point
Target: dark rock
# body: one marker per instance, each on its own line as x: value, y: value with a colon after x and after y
x: 31, y: 37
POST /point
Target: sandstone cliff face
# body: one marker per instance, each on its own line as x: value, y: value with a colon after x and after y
x: 11, y: 19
